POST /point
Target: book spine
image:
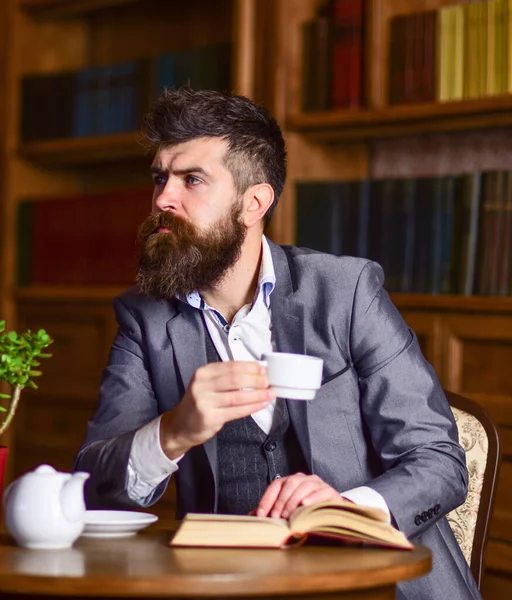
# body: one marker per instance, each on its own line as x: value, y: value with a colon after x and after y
x: 470, y: 50
x: 422, y: 236
x: 410, y: 51
x: 491, y: 84
x: 499, y: 228
x: 470, y: 239
x: 312, y: 216
x: 397, y: 54
x: 457, y: 58
x: 429, y: 59
x: 447, y: 221
x: 323, y: 52
x: 442, y: 41
x: 317, y: 64
x: 487, y: 215
x: 87, y: 239
x: 363, y: 199
x: 500, y: 59
x: 409, y: 227
x: 418, y: 55
x: 388, y: 235
x: 437, y: 234
x: 505, y: 262
x: 348, y: 50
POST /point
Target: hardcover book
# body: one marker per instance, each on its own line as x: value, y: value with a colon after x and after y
x: 340, y: 521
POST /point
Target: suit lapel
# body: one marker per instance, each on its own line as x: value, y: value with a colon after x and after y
x: 288, y: 328
x: 187, y: 333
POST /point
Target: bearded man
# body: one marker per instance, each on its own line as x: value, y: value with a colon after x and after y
x: 183, y: 394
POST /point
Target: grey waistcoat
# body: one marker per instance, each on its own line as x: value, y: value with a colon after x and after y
x: 249, y: 459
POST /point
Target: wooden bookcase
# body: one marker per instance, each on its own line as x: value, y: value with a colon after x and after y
x: 467, y: 339
x: 48, y: 37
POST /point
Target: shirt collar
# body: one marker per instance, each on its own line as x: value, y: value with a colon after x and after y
x: 266, y: 282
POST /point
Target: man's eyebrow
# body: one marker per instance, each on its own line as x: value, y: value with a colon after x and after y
x: 187, y: 171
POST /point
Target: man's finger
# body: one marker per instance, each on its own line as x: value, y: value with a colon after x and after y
x: 304, y: 489
x: 239, y: 381
x: 229, y: 400
x: 239, y: 412
x: 287, y: 491
x: 220, y: 368
x: 269, y: 497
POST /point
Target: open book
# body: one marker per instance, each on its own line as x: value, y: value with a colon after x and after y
x: 341, y: 520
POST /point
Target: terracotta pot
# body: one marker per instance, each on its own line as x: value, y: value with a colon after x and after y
x: 4, y: 451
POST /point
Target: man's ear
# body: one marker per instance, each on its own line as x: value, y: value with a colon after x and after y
x: 258, y: 199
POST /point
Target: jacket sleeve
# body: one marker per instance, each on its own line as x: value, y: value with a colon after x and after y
x: 410, y: 423
x: 126, y: 403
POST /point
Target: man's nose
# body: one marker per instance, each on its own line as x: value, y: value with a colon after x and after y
x: 168, y: 200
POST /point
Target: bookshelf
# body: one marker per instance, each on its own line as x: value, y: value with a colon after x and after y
x: 468, y: 339
x: 81, y: 151
x: 48, y: 38
x: 399, y: 121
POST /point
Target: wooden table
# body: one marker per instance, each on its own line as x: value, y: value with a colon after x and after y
x: 144, y: 566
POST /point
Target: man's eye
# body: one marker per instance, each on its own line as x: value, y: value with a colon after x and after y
x: 191, y: 180
x: 159, y: 180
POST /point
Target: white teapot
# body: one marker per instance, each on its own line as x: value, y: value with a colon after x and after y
x: 45, y: 508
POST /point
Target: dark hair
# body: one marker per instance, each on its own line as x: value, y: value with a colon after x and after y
x: 256, y: 149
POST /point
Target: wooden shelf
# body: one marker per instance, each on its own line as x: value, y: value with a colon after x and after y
x: 67, y: 8
x: 86, y: 150
x: 491, y: 304
x: 455, y: 303
x: 41, y: 294
x: 399, y: 121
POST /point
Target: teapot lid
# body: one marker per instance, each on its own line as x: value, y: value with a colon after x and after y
x: 45, y: 470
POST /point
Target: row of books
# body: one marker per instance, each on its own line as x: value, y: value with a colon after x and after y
x: 111, y: 99
x: 475, y: 41
x: 333, y: 56
x: 440, y: 235
x: 457, y: 52
x: 88, y: 239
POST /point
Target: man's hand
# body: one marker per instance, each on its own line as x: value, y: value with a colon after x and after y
x: 284, y: 495
x: 218, y: 392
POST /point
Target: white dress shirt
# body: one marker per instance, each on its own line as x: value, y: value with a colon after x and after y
x: 247, y: 337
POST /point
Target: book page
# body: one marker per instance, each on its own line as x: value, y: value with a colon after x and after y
x: 231, y: 530
x: 347, y: 520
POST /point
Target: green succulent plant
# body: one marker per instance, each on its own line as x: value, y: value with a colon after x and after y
x: 19, y: 359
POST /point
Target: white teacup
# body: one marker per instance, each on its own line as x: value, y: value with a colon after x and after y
x: 293, y: 376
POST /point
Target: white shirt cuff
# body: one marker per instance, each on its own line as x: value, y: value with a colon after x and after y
x: 367, y: 497
x: 147, y: 464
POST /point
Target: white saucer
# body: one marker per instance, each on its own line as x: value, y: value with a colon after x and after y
x: 115, y: 523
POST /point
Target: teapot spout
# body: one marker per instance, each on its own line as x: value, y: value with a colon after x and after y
x: 72, y: 496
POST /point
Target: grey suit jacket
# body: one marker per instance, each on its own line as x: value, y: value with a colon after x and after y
x: 380, y: 418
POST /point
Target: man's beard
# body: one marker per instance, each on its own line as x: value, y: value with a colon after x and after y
x: 185, y: 259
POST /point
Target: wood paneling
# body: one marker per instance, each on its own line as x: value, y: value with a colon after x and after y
x: 51, y: 421
x: 472, y: 353
x: 426, y: 327
x: 496, y: 586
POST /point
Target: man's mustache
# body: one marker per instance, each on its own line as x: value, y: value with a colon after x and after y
x: 164, y: 219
